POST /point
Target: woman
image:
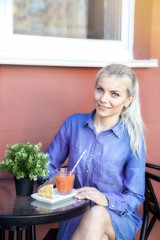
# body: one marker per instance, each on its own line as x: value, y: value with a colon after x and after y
x: 112, y: 172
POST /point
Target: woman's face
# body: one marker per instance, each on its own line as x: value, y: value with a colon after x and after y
x: 110, y: 97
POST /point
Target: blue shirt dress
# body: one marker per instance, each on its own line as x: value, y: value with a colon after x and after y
x: 108, y: 165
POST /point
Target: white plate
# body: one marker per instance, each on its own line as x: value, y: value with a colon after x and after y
x: 57, y: 197
x: 48, y: 207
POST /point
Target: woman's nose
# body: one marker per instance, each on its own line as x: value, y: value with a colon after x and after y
x: 104, y: 97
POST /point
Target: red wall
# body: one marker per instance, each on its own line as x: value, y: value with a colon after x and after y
x: 34, y: 101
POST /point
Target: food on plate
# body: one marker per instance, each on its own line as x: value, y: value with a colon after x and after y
x: 47, y: 191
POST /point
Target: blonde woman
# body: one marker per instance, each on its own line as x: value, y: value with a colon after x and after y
x: 112, y: 172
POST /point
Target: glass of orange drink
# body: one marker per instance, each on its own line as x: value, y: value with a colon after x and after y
x: 64, y: 180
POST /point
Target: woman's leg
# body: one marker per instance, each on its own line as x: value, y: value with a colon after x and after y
x: 96, y: 225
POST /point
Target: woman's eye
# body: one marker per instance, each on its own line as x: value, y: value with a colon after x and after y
x: 99, y: 89
x: 115, y: 94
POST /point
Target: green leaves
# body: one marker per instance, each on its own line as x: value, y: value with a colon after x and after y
x: 25, y: 160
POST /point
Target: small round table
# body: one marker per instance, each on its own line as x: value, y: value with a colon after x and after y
x: 18, y: 213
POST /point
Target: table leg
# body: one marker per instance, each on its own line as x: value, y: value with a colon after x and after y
x: 19, y: 233
x: 27, y: 234
x: 2, y: 233
x: 11, y: 235
x: 31, y: 233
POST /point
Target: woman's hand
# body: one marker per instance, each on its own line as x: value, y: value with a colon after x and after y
x: 92, y: 194
x: 48, y: 181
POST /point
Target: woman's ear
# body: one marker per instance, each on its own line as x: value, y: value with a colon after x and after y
x: 129, y: 101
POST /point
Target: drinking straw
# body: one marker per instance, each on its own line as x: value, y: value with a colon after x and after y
x: 77, y: 162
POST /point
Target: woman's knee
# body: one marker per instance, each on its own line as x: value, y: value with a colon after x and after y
x: 99, y: 218
x: 96, y: 213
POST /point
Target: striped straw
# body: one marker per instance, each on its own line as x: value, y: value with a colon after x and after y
x: 77, y: 162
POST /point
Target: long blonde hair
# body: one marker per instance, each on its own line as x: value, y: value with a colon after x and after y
x: 131, y: 116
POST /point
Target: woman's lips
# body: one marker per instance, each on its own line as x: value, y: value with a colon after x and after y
x: 103, y: 107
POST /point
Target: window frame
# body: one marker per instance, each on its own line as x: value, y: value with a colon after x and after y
x: 50, y: 51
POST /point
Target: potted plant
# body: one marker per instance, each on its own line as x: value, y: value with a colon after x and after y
x: 27, y: 162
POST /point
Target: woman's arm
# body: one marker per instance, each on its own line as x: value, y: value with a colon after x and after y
x: 58, y: 149
x: 132, y: 195
x: 134, y: 187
